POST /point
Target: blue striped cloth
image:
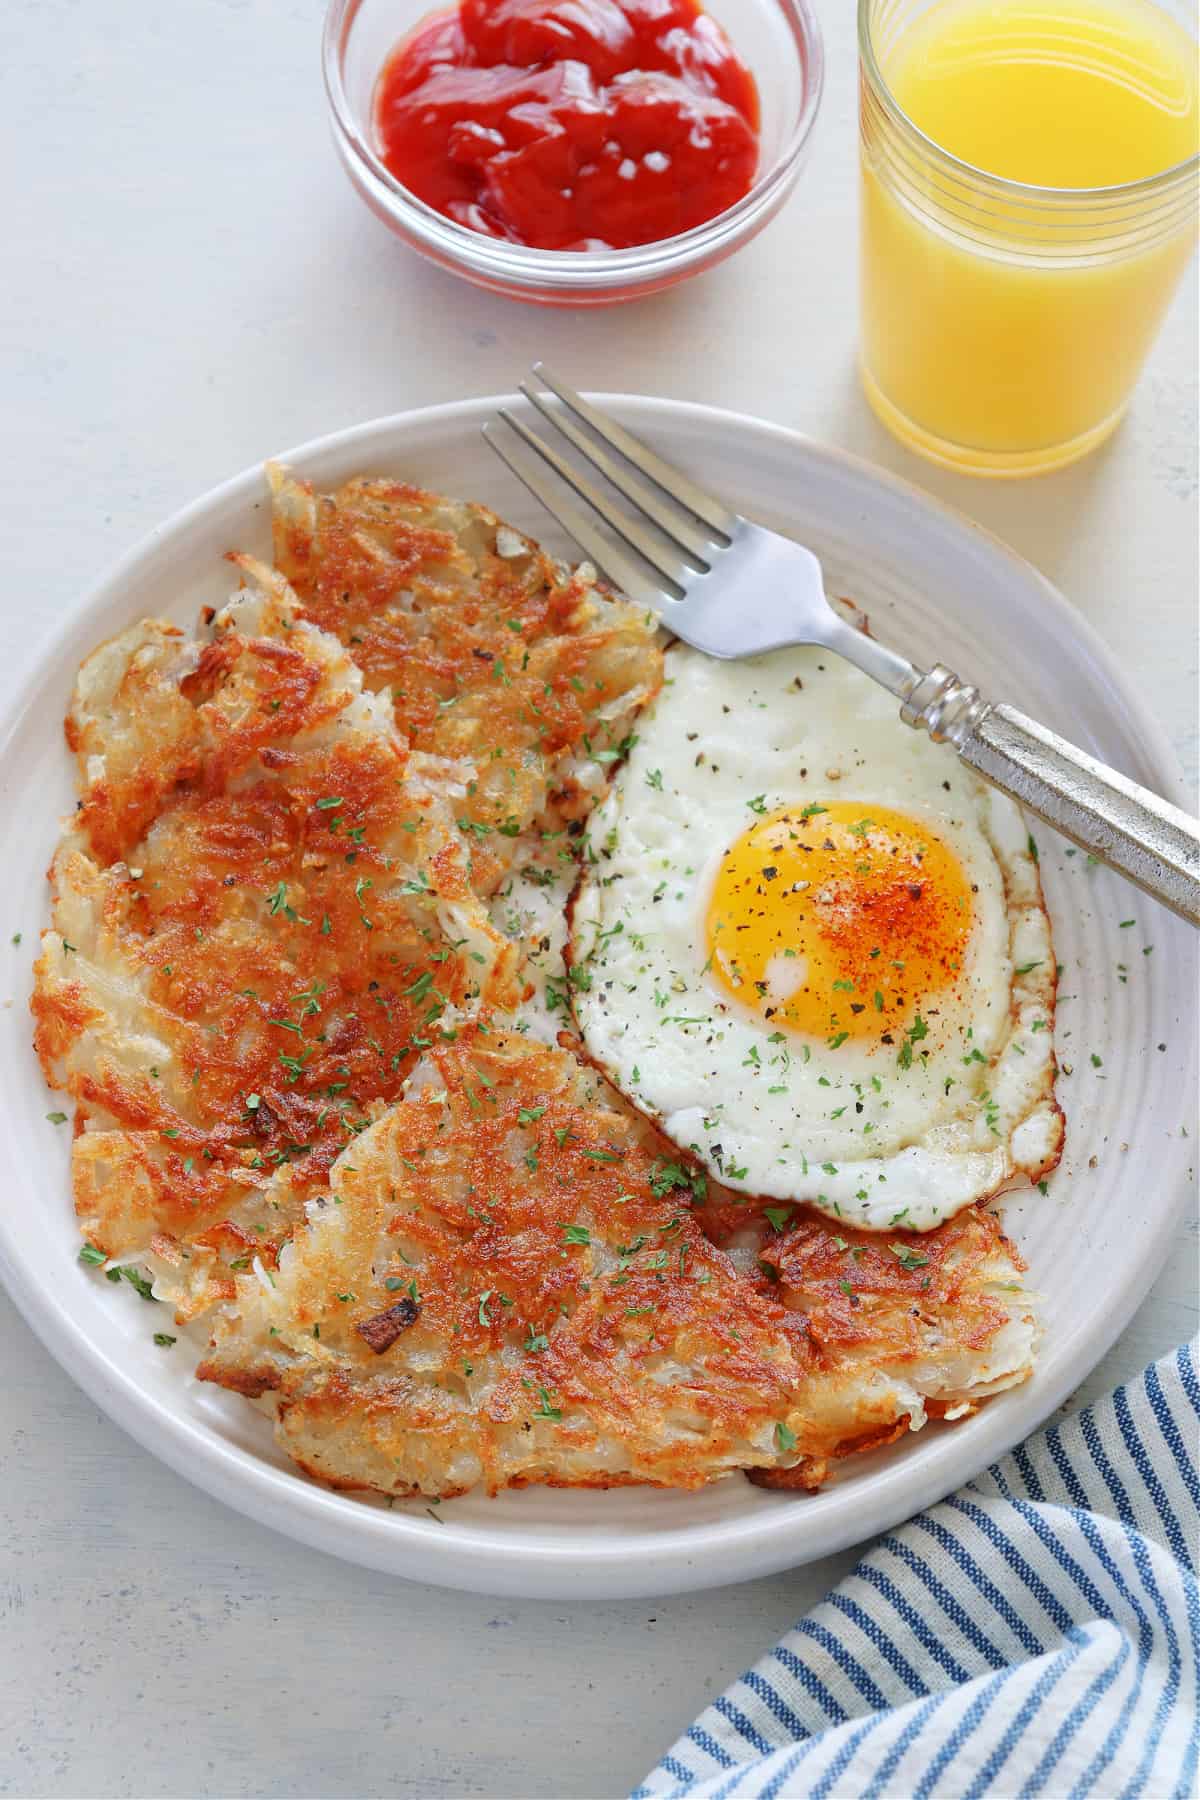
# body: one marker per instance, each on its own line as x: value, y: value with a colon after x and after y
x: 1037, y: 1634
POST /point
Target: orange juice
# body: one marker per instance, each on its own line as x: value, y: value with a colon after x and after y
x: 1004, y: 325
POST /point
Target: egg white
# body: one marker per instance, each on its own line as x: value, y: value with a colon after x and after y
x: 846, y: 1128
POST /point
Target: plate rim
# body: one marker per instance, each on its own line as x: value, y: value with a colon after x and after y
x: 474, y: 1558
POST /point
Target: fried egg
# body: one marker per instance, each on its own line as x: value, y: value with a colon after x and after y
x: 813, y: 947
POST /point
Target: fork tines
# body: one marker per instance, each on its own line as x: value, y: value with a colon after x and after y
x: 651, y: 554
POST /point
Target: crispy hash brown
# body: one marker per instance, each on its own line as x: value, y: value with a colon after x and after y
x: 263, y: 908
x: 508, y: 1283
x: 900, y: 1328
x: 492, y: 652
x: 505, y: 1285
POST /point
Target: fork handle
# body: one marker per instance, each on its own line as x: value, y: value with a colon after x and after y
x: 1126, y: 826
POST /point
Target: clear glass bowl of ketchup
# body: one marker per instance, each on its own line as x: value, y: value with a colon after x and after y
x: 777, y: 41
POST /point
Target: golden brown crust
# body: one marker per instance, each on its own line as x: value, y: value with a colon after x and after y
x: 857, y: 1288
x: 572, y: 1323
x: 271, y: 892
x: 235, y: 982
x: 807, y: 1477
x: 567, y: 1319
x: 491, y: 651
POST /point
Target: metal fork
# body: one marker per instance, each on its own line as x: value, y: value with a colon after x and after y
x: 732, y: 589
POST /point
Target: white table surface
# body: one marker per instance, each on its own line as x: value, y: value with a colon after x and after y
x: 190, y: 285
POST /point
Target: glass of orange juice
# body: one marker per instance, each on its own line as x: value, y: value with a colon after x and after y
x: 1029, y: 182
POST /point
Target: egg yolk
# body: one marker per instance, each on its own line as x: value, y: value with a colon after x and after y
x: 838, y: 920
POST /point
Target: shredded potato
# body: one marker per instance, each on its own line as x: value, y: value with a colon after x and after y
x: 508, y: 1282
x: 294, y: 926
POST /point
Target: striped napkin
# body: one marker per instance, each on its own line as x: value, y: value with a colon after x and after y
x: 1037, y: 1634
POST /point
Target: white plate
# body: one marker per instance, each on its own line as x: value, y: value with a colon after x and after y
x: 939, y: 589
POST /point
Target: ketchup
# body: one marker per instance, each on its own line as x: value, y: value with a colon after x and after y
x: 570, y: 124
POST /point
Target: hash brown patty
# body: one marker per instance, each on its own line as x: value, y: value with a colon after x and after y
x: 507, y: 1283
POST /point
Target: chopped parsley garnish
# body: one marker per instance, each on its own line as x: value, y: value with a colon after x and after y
x: 666, y: 1176
x: 916, y: 1031
x: 277, y: 902
x: 622, y: 749
x: 134, y: 1277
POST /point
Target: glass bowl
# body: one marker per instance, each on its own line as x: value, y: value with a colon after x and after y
x: 779, y: 41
